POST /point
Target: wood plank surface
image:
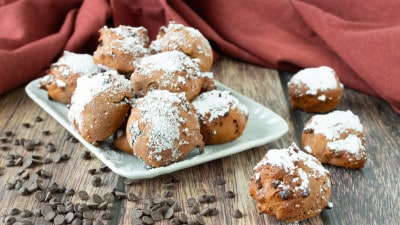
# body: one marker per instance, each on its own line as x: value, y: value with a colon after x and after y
x: 367, y: 196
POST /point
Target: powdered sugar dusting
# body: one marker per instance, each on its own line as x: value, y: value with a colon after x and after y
x: 90, y: 86
x: 77, y: 64
x: 352, y: 144
x: 288, y: 159
x: 131, y: 40
x: 160, y: 110
x: 315, y: 79
x: 333, y: 124
x: 216, y: 104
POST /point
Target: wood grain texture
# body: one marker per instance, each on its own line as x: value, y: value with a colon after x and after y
x: 367, y: 196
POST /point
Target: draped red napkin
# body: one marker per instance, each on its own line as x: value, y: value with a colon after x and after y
x: 360, y: 39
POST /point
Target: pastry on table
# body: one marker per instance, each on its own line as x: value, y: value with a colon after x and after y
x: 222, y: 117
x: 60, y: 82
x: 100, y: 105
x: 120, y: 47
x: 186, y: 39
x: 336, y: 138
x: 290, y: 184
x: 315, y: 90
x: 162, y: 128
x: 173, y: 71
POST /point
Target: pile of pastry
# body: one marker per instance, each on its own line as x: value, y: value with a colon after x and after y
x: 156, y: 99
x: 291, y: 184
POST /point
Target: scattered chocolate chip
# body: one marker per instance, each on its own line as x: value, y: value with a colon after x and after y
x: 229, y: 194
x: 169, y: 213
x: 174, y: 221
x: 213, y: 211
x: 147, y: 220
x: 167, y: 194
x: 83, y: 195
x: 86, y: 155
x: 59, y: 219
x: 237, y: 214
x: 69, y: 192
x: 199, y: 220
x: 38, y: 119
x: 14, y: 211
x: 49, y: 215
x: 212, y: 198
x: 96, y: 181
x: 106, y: 216
x: 97, y: 198
x: 104, y: 169
x: 92, y: 171
x: 50, y: 147
x: 46, y: 132
x: 89, y: 214
x: 191, y: 202
x: 183, y: 218
x: 108, y: 197
x: 40, y: 196
x: 8, y: 133
x: 203, y: 198
x: 193, y: 210
x: 156, y: 215
x: 16, y: 142
x: 132, y: 197
x: 26, y: 125
x: 69, y: 217
x: 26, y: 213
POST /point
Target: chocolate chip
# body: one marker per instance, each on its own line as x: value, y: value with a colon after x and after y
x: 83, y: 195
x: 50, y: 147
x: 88, y: 215
x: 167, y: 194
x: 183, y: 218
x: 26, y: 125
x: 8, y: 133
x: 305, y: 192
x: 132, y: 197
x: 199, y: 220
x: 203, y: 198
x: 86, y: 155
x: 156, y: 215
x: 59, y: 219
x: 49, y: 216
x: 96, y: 181
x: 70, y: 192
x: 69, y: 217
x: 276, y: 183
x: 229, y: 194
x: 169, y: 213
x: 174, y: 221
x: 97, y: 198
x: 38, y: 119
x: 26, y: 213
x: 106, y: 216
x: 191, y: 202
x: 104, y: 169
x: 147, y: 220
x: 92, y: 171
x: 108, y: 197
x: 284, y: 194
x: 237, y: 214
x: 193, y: 210
x: 46, y: 132
x: 137, y: 213
x: 14, y: 211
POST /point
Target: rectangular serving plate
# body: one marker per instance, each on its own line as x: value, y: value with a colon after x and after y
x: 263, y: 126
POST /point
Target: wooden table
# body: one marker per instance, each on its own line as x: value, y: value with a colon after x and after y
x: 366, y: 196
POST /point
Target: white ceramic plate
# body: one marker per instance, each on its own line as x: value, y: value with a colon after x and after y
x: 262, y: 127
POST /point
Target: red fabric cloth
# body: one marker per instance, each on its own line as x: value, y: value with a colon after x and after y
x: 358, y: 38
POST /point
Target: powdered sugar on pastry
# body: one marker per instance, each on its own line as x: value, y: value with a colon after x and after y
x: 90, y: 86
x: 216, y: 104
x: 333, y: 124
x: 316, y: 79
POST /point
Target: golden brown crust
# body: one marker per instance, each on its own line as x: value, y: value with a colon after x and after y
x: 99, y: 105
x: 315, y: 90
x: 292, y: 187
x: 185, y: 39
x: 162, y: 128
x: 222, y: 117
x: 120, y: 140
x: 120, y: 47
x: 172, y: 71
x: 344, y: 149
x: 60, y: 82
